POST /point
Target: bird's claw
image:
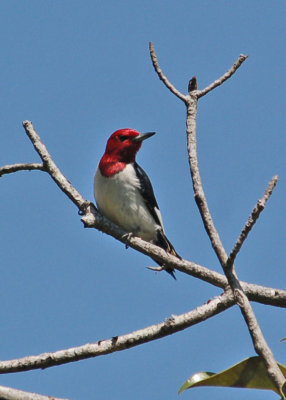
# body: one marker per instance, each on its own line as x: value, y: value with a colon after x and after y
x: 127, y: 237
x: 170, y: 320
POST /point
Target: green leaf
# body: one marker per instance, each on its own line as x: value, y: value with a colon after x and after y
x: 250, y: 373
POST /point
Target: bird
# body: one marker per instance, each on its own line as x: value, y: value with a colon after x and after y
x: 124, y: 194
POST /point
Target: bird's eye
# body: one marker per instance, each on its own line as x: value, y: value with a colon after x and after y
x: 122, y: 138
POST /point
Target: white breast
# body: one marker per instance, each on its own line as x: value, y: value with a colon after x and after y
x: 119, y: 199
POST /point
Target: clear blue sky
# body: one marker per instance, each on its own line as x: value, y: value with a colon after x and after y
x: 80, y: 70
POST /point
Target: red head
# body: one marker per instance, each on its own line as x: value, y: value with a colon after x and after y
x: 121, y: 149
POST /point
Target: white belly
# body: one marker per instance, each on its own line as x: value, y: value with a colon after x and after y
x: 119, y: 199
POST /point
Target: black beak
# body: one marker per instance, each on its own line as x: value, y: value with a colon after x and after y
x: 143, y: 136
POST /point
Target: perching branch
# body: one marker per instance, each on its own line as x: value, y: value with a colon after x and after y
x: 242, y: 301
x: 255, y: 292
x: 171, y: 325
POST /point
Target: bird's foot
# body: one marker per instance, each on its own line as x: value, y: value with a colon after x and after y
x: 170, y: 320
x: 127, y: 237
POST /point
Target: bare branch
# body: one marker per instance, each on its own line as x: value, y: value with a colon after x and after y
x: 173, y: 324
x: 264, y: 295
x: 7, y: 393
x: 223, y: 78
x: 163, y: 78
x: 259, y: 207
x: 196, y: 178
x: 92, y: 219
x: 9, y: 169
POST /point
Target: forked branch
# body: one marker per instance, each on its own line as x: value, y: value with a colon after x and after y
x: 242, y: 301
x: 200, y: 93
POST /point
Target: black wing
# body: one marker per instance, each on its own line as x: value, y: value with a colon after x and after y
x: 147, y: 193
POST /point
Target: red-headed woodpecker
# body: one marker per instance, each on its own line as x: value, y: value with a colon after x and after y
x: 123, y: 191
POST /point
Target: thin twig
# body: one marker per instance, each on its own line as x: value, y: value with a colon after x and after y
x: 163, y: 78
x: 259, y: 207
x: 7, y: 393
x: 223, y: 78
x: 9, y: 169
x: 173, y: 324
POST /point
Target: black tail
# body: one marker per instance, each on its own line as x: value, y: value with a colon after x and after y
x: 171, y: 272
x: 163, y: 242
